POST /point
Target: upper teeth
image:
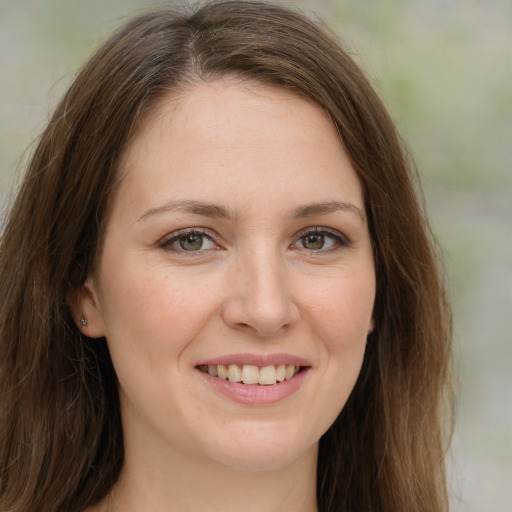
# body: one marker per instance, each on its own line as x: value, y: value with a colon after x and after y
x: 251, y: 374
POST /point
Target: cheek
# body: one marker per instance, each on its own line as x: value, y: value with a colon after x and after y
x: 153, y: 311
x: 341, y: 310
x: 341, y: 318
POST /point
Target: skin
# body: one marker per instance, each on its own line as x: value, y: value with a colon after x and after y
x: 257, y: 285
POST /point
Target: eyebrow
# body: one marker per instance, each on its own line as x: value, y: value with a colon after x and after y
x: 326, y: 207
x: 191, y: 206
x: 215, y: 211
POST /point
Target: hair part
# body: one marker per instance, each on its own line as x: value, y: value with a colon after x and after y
x: 61, y: 444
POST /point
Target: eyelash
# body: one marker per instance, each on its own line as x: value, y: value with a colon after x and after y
x: 340, y: 241
x: 166, y: 242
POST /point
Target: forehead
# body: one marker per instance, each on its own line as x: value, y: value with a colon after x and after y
x: 229, y: 112
x: 236, y: 135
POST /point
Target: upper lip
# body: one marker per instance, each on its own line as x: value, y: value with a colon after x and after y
x: 256, y: 360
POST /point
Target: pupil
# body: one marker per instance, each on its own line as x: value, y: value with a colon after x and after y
x: 191, y: 242
x: 314, y: 242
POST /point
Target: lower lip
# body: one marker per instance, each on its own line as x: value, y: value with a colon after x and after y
x: 256, y: 394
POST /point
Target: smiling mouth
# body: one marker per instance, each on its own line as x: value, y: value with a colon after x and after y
x: 251, y: 374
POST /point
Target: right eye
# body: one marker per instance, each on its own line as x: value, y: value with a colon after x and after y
x: 190, y: 240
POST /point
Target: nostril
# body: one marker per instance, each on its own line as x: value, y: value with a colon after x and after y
x: 260, y: 303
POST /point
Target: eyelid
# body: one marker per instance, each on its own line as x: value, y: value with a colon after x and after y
x: 341, y: 239
x: 167, y: 240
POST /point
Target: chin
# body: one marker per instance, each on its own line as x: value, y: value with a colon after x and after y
x: 261, y: 448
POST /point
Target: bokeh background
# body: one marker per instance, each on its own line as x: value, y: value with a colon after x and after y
x: 444, y: 68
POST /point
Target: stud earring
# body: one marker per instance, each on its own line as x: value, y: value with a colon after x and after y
x: 83, y: 321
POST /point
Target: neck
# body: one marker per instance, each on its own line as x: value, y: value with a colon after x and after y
x: 184, y: 484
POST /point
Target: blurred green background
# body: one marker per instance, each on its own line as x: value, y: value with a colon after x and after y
x: 444, y: 68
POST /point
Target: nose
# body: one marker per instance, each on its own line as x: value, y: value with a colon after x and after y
x: 260, y: 297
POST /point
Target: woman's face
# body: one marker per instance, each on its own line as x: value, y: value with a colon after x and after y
x: 237, y: 238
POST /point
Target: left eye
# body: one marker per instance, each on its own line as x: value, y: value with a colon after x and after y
x: 189, y: 242
x: 319, y: 241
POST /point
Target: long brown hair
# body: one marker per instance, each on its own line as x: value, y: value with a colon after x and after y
x: 61, y: 444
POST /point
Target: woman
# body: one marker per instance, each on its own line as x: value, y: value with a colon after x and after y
x: 218, y: 287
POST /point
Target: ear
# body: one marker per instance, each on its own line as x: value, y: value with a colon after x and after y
x: 86, y: 309
x: 371, y: 326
